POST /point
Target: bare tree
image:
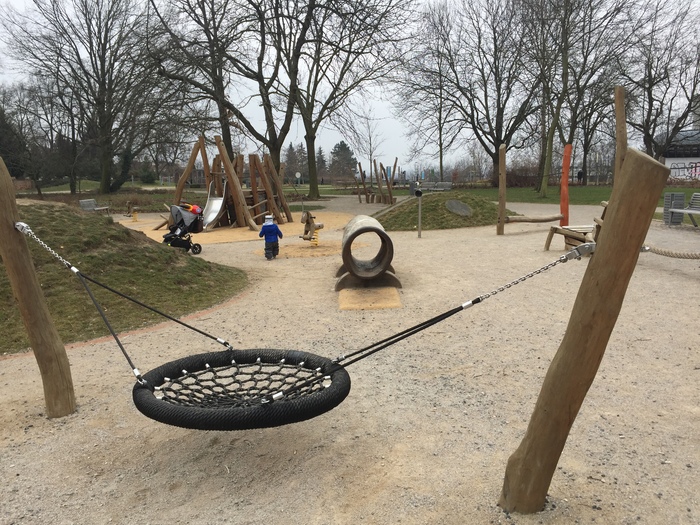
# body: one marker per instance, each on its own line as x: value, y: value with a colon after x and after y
x: 487, y: 83
x: 420, y: 89
x: 361, y: 130
x: 231, y: 53
x: 92, y: 52
x: 663, y: 76
x: 599, y: 36
x: 351, y: 44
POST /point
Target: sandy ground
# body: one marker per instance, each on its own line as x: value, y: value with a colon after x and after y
x: 427, y: 429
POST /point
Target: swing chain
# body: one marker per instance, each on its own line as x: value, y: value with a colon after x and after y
x: 576, y: 253
x: 24, y: 228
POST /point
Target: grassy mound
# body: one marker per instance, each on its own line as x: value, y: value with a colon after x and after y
x: 436, y: 216
x: 163, y: 277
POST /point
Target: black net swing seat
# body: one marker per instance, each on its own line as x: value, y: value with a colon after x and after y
x: 235, y: 389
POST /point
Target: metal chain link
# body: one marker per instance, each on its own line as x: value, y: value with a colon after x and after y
x: 24, y: 228
x: 523, y: 278
x: 576, y: 253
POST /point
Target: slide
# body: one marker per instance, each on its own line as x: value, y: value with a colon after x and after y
x: 215, y: 207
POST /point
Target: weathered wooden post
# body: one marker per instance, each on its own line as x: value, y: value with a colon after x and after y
x: 48, y: 348
x: 632, y: 203
x: 500, y: 227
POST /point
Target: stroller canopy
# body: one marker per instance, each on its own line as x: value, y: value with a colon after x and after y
x: 187, y: 215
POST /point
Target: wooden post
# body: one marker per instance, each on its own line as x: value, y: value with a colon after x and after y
x: 632, y: 204
x: 388, y: 184
x: 378, y: 177
x: 243, y: 217
x: 620, y: 130
x: 564, y: 191
x: 269, y: 191
x: 278, y: 187
x: 49, y: 352
x: 186, y: 173
x: 500, y: 230
x: 205, y: 162
x: 364, y: 186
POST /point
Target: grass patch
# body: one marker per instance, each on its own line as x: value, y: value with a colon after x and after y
x: 158, y: 275
x: 436, y: 216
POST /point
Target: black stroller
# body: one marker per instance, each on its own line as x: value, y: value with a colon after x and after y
x: 187, y: 219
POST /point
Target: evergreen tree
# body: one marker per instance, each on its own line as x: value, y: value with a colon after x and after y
x: 291, y: 161
x: 343, y: 162
x: 321, y: 166
x: 303, y: 162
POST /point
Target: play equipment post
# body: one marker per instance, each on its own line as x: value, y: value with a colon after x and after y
x: 564, y: 197
x: 48, y: 348
x: 419, y: 194
x: 632, y: 204
x: 500, y: 227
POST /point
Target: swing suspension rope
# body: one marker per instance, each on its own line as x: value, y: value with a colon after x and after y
x: 244, y: 389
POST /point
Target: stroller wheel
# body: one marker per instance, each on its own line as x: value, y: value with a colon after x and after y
x: 196, y: 249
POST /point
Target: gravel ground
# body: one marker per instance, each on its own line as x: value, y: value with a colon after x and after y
x: 429, y: 424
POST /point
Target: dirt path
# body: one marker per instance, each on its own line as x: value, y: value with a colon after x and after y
x: 429, y: 424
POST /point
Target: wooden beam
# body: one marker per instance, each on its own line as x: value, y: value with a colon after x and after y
x: 278, y: 186
x: 186, y: 173
x: 241, y: 208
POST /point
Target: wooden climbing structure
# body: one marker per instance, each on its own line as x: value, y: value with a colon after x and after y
x: 235, y: 204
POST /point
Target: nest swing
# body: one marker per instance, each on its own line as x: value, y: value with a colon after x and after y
x: 247, y: 389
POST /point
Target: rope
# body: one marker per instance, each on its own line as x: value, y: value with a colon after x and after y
x: 669, y: 253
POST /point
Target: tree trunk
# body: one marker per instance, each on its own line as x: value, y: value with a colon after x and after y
x: 310, y: 140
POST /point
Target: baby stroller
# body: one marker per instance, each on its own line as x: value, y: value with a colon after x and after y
x: 187, y: 219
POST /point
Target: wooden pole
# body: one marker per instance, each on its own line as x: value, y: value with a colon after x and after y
x: 632, y: 204
x: 278, y: 186
x: 564, y: 191
x: 388, y: 184
x: 364, y: 186
x: 500, y: 227
x: 243, y: 217
x: 186, y: 173
x: 49, y: 352
x: 620, y: 131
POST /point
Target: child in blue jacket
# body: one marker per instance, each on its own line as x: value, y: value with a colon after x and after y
x: 271, y: 232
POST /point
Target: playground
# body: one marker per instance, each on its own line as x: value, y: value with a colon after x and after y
x: 427, y: 429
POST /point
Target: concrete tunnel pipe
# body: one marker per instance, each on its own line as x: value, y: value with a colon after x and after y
x: 377, y: 265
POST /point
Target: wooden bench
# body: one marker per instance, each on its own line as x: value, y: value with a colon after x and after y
x: 91, y: 205
x: 691, y: 209
x: 575, y: 235
x: 435, y: 186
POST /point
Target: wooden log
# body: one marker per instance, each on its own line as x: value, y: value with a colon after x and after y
x: 240, y: 207
x: 378, y: 178
x: 523, y: 218
x: 564, y: 187
x: 49, y: 352
x: 632, y: 204
x: 364, y: 186
x: 186, y: 173
x: 500, y: 230
x: 276, y: 179
x: 620, y: 131
x: 205, y: 162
